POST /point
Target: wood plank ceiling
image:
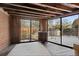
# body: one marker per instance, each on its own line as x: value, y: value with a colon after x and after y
x: 41, y: 10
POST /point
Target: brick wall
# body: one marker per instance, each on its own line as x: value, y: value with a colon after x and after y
x: 4, y: 29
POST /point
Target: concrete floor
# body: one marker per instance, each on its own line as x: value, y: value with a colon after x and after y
x: 29, y: 49
x: 56, y: 50
x: 37, y: 49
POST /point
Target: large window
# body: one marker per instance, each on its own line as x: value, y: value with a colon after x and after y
x: 70, y: 30
x: 54, y: 30
x: 64, y: 31
x: 34, y: 29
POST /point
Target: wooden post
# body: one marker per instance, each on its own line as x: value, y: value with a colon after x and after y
x: 43, y: 31
x: 15, y: 28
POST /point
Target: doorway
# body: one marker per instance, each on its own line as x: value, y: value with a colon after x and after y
x: 29, y: 30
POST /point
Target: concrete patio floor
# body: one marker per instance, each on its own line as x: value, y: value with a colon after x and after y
x: 37, y: 49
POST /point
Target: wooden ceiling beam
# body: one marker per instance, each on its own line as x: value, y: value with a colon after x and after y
x: 30, y: 15
x: 13, y: 10
x: 32, y: 8
x: 44, y: 5
x: 75, y: 4
x: 23, y: 16
x: 26, y: 11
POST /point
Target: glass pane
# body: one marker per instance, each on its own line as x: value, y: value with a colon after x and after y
x: 34, y: 29
x: 25, y: 30
x: 54, y: 30
x: 70, y: 30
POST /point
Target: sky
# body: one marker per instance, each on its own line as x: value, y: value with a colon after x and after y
x: 71, y: 18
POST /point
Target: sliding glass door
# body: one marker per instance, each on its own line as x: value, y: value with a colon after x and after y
x: 70, y: 30
x: 54, y: 30
x: 25, y: 30
x: 34, y: 29
x: 64, y: 31
x: 29, y: 30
